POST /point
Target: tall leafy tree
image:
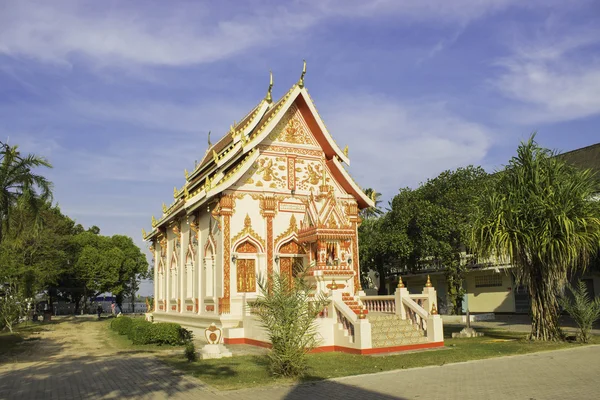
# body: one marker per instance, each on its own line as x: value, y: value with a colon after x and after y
x: 540, y: 215
x: 375, y: 211
x: 19, y: 184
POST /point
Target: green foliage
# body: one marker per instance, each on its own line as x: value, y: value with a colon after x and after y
x: 539, y: 215
x: 288, y: 314
x: 426, y: 228
x: 582, y: 309
x: 140, y: 331
x: 11, y: 308
x: 190, y: 352
x: 20, y: 187
x: 372, y: 212
x: 122, y: 325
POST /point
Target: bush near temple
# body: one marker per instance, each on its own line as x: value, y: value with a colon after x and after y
x: 140, y: 331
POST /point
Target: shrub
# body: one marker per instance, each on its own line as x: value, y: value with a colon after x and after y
x: 170, y: 333
x: 122, y: 325
x: 142, y: 332
x: 190, y: 351
x: 288, y: 314
x: 11, y: 309
x: 582, y: 309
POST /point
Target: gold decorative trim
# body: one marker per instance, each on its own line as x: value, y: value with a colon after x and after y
x: 292, y: 228
x: 248, y: 231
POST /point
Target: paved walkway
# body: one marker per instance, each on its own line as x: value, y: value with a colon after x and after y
x: 74, y: 362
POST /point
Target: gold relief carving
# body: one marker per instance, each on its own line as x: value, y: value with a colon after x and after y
x: 268, y: 204
x: 273, y: 185
x: 346, y: 151
x: 357, y: 286
x: 265, y: 167
x: 292, y: 228
x: 270, y: 246
x: 291, y: 168
x: 248, y: 231
x: 291, y: 130
x: 246, y: 275
x: 226, y: 203
x: 291, y: 150
x: 246, y: 247
x: 226, y: 255
x: 259, y: 184
x: 249, y: 181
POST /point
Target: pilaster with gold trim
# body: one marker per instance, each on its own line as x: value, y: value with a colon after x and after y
x: 352, y: 210
x: 268, y: 206
x: 226, y: 204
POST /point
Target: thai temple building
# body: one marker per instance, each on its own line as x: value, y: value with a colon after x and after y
x: 271, y: 195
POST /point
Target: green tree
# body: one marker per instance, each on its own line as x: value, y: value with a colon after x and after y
x: 540, y: 216
x: 584, y: 310
x: 375, y: 211
x: 19, y: 185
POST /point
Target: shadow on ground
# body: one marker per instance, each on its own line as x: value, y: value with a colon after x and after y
x: 93, y: 377
x: 334, y: 390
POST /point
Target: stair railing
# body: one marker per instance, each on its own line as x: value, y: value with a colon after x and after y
x: 415, y: 313
x: 382, y: 304
x: 345, y: 316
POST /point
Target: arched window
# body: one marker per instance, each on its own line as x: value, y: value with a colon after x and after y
x: 189, y: 274
x: 173, y: 277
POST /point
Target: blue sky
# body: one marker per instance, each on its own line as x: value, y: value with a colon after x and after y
x: 119, y: 96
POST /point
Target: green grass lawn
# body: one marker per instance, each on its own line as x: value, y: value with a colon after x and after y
x: 248, y: 371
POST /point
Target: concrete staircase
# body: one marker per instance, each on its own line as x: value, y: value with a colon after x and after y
x: 389, y: 330
x: 352, y: 302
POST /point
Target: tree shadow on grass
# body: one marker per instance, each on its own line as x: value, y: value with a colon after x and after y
x: 94, y: 377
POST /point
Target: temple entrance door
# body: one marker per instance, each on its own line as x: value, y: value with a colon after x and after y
x: 291, y: 260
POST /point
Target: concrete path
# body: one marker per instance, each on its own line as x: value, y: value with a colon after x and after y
x: 74, y: 362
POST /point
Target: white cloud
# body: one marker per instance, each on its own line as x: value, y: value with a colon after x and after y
x: 189, y: 33
x: 556, y: 77
x: 395, y: 144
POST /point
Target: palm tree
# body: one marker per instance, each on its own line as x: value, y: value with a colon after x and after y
x: 19, y: 185
x: 372, y: 212
x: 540, y: 214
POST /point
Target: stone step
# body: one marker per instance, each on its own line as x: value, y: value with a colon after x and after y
x: 401, y: 342
x: 394, y: 335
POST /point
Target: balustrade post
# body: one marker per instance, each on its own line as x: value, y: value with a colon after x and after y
x: 401, y: 292
x: 435, y: 328
x: 430, y: 292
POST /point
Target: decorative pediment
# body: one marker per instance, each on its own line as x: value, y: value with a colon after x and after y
x: 248, y: 232
x: 210, y: 246
x: 292, y: 129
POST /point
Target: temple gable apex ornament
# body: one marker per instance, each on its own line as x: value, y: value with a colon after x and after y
x: 269, y: 97
x: 301, y: 80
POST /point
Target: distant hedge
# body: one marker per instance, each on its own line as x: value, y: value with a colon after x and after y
x: 140, y: 331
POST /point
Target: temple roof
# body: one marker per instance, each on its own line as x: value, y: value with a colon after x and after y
x: 585, y: 158
x: 234, y: 153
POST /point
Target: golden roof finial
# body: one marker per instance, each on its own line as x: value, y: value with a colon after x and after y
x: 154, y: 221
x: 209, y: 143
x: 143, y: 233
x: 207, y: 184
x: 215, y: 156
x: 301, y: 81
x: 175, y: 192
x: 346, y: 151
x: 269, y: 97
x: 164, y: 208
x: 186, y: 173
x: 373, y: 195
x: 428, y: 283
x: 232, y: 127
x: 186, y: 193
